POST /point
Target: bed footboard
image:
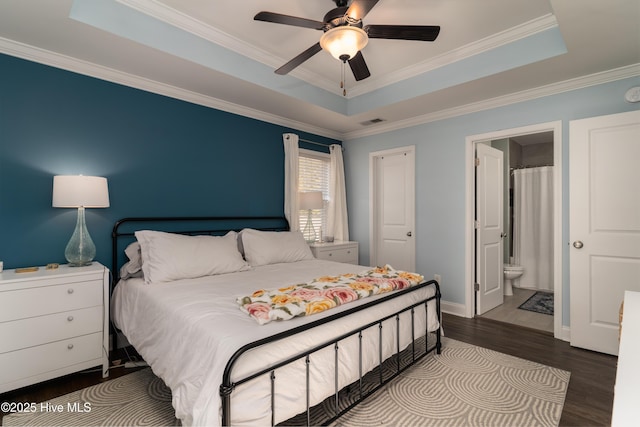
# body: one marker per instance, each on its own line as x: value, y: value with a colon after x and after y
x: 401, y: 359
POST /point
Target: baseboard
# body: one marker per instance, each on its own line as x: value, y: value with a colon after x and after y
x: 565, y: 333
x: 453, y: 308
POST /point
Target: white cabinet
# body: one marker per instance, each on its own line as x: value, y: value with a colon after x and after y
x: 52, y: 323
x: 346, y: 252
x: 626, y: 410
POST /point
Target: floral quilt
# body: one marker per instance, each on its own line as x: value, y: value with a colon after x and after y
x: 324, y: 293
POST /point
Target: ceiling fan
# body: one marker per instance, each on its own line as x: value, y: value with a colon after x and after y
x: 345, y: 36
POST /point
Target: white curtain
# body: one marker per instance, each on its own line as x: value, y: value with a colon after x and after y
x: 291, y: 153
x: 337, y: 219
x: 533, y: 226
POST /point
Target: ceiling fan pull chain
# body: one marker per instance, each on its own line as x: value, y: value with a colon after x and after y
x: 343, y: 83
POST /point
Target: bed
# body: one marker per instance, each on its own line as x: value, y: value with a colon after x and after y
x: 224, y: 367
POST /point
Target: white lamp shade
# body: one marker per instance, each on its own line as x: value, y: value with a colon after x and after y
x: 344, y: 40
x: 74, y: 191
x: 311, y: 200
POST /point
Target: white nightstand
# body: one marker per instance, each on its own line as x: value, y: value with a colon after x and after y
x: 53, y: 323
x: 338, y: 251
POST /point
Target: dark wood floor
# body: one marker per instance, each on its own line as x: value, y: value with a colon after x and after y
x: 589, y: 398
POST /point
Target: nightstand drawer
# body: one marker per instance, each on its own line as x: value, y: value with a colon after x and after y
x: 32, y: 302
x: 339, y: 251
x: 33, y: 361
x: 39, y: 330
x: 346, y: 255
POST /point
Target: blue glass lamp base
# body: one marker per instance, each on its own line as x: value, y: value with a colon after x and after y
x: 80, y: 250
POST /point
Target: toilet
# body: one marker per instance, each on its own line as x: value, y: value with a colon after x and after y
x: 511, y: 272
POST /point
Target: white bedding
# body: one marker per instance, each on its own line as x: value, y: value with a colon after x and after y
x: 188, y: 329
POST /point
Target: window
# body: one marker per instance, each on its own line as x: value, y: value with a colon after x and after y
x: 313, y: 175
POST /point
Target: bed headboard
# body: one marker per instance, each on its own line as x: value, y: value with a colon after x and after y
x: 124, y: 229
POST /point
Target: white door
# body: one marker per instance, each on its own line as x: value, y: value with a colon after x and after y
x: 604, y: 225
x: 393, y: 213
x: 489, y: 228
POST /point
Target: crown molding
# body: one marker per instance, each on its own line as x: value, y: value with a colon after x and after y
x: 493, y: 41
x: 42, y: 56
x: 175, y: 18
x: 501, y: 101
x: 75, y: 65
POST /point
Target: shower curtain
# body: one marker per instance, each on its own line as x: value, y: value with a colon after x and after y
x: 533, y: 226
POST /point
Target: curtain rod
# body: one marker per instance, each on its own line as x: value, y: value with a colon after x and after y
x: 315, y: 143
x: 527, y: 167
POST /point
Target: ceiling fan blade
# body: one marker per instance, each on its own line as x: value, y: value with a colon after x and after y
x: 360, y: 8
x: 286, y: 68
x: 359, y: 67
x: 279, y: 18
x: 427, y: 33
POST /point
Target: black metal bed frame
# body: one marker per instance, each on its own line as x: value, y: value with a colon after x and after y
x: 228, y: 385
x: 270, y: 223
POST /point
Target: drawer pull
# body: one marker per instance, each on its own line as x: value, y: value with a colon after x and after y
x: 330, y: 254
x: 70, y: 318
x: 70, y: 291
x: 70, y: 346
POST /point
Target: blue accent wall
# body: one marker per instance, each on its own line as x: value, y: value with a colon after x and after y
x: 162, y: 157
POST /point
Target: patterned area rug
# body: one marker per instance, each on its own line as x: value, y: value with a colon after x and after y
x: 136, y: 399
x: 540, y: 302
x: 465, y: 385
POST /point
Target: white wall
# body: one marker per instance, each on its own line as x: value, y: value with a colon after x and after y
x: 440, y: 176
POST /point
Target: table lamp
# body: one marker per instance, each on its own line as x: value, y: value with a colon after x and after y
x: 79, y: 191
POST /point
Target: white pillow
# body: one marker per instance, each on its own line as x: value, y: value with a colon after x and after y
x: 133, y: 267
x: 169, y: 256
x: 271, y: 247
x: 127, y: 272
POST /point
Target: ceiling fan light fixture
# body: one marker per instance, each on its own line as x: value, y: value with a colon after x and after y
x: 344, y: 42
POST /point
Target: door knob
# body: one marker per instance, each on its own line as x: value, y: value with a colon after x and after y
x: 578, y: 244
x: 408, y: 234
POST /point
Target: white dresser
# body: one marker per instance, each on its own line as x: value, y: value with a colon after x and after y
x: 52, y: 323
x: 338, y: 251
x: 626, y: 399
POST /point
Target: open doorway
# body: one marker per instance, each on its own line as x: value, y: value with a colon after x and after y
x: 531, y: 146
x: 528, y: 231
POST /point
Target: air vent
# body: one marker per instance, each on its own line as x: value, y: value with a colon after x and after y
x: 372, y: 122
